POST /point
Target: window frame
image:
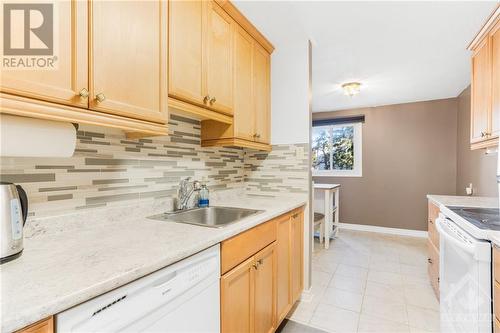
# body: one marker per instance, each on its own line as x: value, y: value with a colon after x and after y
x: 357, y: 170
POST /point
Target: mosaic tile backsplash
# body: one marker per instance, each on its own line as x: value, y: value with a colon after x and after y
x: 284, y: 170
x: 108, y: 169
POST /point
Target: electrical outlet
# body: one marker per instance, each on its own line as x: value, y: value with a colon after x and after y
x: 469, y: 190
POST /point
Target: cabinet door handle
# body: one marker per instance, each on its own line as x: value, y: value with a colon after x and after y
x: 255, y: 266
x: 430, y: 221
x: 429, y: 260
x: 260, y: 261
x: 213, y: 100
x: 206, y: 99
x: 84, y: 93
x: 100, y: 97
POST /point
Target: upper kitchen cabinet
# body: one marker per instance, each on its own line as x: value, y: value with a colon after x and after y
x: 495, y: 80
x: 219, y: 59
x: 64, y: 80
x: 252, y: 113
x: 110, y: 69
x: 485, y: 85
x: 219, y: 71
x: 128, y: 71
x: 261, y: 94
x: 481, y: 92
x: 200, y: 55
x: 185, y: 56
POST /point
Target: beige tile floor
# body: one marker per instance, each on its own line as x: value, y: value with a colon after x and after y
x: 370, y: 282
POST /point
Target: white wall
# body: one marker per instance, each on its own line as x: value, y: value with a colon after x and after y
x: 289, y: 93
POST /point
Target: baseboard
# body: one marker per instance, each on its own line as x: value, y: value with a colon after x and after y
x: 384, y: 230
x: 307, y: 295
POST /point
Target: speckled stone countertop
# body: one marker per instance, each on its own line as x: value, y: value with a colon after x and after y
x: 77, y: 257
x: 464, y: 201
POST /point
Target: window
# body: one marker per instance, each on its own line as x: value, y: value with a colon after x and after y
x: 337, y: 150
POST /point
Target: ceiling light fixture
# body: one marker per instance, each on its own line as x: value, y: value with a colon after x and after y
x: 351, y: 88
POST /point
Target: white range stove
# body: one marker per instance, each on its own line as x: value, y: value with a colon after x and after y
x: 465, y: 268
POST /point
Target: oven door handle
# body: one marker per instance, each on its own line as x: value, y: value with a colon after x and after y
x: 448, y: 235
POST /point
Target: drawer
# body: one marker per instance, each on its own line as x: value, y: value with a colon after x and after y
x: 433, y: 214
x: 496, y: 263
x: 433, y: 211
x: 235, y: 250
x: 433, y: 233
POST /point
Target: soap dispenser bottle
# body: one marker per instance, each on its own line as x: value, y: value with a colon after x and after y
x: 204, y: 196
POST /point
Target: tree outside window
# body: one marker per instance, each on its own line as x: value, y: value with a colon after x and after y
x: 336, y: 150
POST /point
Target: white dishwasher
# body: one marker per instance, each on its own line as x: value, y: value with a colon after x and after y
x: 183, y: 297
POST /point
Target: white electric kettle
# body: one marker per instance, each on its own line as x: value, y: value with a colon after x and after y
x: 13, y: 214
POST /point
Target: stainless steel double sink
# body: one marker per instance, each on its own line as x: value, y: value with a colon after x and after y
x: 213, y: 217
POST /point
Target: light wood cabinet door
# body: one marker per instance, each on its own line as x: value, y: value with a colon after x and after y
x: 69, y: 77
x: 265, y: 290
x: 218, y: 69
x: 237, y: 298
x: 495, y: 75
x: 283, y: 271
x: 128, y: 59
x: 185, y: 60
x: 43, y: 326
x: 297, y: 253
x: 244, y: 116
x: 261, y: 94
x: 481, y: 92
x: 433, y: 267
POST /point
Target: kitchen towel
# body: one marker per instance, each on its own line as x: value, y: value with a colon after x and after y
x: 29, y: 137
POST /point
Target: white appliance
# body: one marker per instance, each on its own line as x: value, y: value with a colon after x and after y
x: 465, y: 280
x: 183, y: 297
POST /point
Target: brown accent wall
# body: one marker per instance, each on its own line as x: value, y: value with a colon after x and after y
x: 473, y: 166
x: 409, y: 150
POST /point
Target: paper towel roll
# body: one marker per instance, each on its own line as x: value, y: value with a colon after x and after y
x: 29, y: 137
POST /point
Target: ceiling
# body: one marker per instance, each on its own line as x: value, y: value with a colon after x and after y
x: 400, y: 51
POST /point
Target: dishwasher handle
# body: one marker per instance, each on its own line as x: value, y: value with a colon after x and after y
x: 450, y: 236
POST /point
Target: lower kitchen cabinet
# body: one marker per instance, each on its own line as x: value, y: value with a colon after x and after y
x: 248, y: 294
x: 297, y: 254
x: 237, y: 298
x: 283, y: 272
x: 257, y: 293
x: 265, y: 290
x: 43, y: 326
x: 433, y: 248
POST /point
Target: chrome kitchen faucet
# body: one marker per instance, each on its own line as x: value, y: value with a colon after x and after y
x: 185, y: 192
